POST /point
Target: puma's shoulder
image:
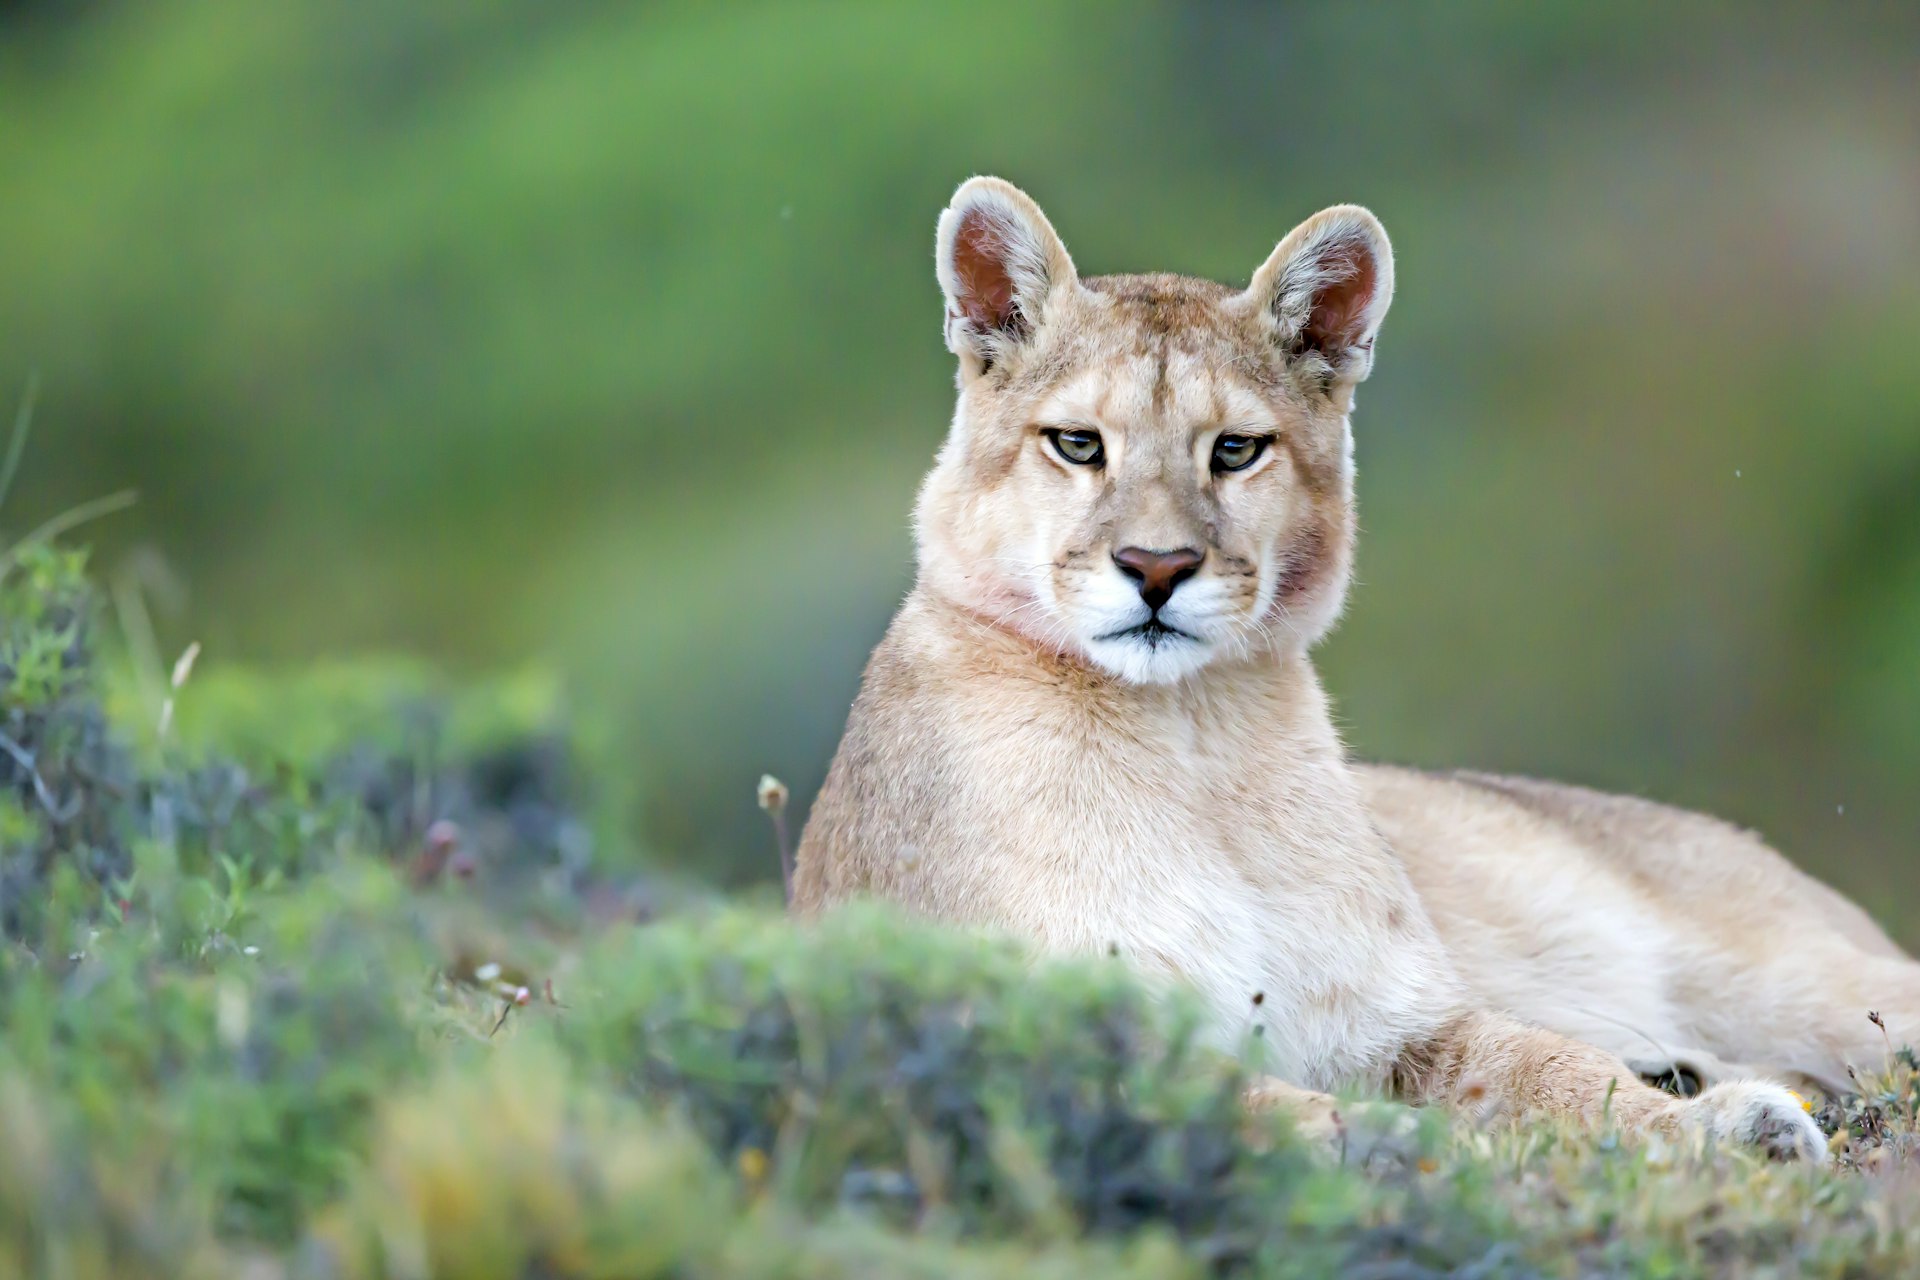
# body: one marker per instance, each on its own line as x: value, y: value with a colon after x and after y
x: 924, y: 754
x: 881, y: 781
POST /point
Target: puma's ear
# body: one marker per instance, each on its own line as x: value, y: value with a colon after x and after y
x: 999, y: 262
x: 1327, y: 287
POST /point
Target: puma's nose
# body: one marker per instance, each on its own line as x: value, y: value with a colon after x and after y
x: 1158, y: 572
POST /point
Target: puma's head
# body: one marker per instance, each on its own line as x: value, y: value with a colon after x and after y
x: 1148, y: 473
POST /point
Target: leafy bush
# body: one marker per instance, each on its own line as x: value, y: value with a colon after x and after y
x: 524, y: 1166
x: 69, y: 1209
x: 519, y: 1167
x: 876, y: 1063
x: 206, y: 935
x: 57, y: 764
x: 255, y: 781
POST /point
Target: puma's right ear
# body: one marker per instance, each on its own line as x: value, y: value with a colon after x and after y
x: 1327, y: 287
x: 999, y: 261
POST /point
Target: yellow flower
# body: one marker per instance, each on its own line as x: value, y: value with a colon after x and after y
x: 753, y: 1164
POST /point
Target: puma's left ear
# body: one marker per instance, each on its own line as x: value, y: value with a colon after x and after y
x: 1327, y: 287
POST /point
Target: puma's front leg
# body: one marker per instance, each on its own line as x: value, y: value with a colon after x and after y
x: 1494, y: 1065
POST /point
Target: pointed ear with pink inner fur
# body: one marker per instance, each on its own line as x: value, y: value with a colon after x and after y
x: 1327, y: 287
x: 999, y: 262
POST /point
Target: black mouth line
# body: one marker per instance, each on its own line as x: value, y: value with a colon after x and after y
x: 1153, y: 631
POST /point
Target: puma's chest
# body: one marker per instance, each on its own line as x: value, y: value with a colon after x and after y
x: 1235, y: 877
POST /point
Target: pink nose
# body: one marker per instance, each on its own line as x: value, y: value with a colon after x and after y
x: 1158, y: 572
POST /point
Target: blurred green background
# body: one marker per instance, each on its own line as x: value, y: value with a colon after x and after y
x: 605, y: 336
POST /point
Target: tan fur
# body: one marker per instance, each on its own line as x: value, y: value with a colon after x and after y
x: 1026, y: 755
x: 1673, y: 939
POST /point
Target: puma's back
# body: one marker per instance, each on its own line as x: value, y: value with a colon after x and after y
x: 1665, y: 935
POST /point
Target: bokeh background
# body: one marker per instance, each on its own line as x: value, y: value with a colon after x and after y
x: 604, y: 336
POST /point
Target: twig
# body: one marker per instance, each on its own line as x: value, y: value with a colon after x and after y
x: 24, y: 758
x: 505, y: 1009
x: 773, y: 799
x: 515, y: 996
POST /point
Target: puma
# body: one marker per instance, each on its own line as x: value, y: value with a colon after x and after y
x: 1094, y: 725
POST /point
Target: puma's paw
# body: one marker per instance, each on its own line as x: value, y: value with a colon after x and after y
x: 1683, y: 1075
x: 1316, y: 1116
x: 1366, y: 1133
x: 1757, y: 1114
x: 1379, y: 1135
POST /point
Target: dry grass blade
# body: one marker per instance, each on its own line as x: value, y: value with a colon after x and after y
x: 773, y: 799
x: 71, y: 518
x: 17, y: 443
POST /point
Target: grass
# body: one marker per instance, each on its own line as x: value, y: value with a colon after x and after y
x: 325, y: 978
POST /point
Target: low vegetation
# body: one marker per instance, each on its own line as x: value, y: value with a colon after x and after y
x: 320, y: 975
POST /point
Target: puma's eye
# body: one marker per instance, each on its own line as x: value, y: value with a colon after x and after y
x: 1078, y: 445
x: 1237, y: 452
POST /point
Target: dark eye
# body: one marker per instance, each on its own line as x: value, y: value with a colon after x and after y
x: 1078, y: 445
x: 1236, y: 452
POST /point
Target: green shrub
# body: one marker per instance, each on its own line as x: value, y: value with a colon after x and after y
x: 878, y: 1063
x: 62, y: 778
x: 254, y: 1062
x: 524, y: 1166
x: 238, y: 781
x: 519, y: 1167
x: 68, y: 1209
x: 202, y: 954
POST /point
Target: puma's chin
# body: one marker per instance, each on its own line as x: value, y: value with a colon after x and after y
x: 1150, y: 653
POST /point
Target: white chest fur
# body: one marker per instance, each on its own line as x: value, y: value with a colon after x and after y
x: 1222, y: 852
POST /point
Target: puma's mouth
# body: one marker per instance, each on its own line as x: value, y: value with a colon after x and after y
x: 1149, y: 652
x: 1153, y: 631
